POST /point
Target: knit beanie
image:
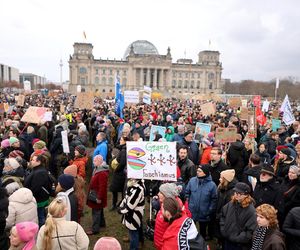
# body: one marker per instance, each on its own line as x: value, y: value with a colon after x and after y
x: 39, y: 145
x: 171, y: 205
x: 71, y: 170
x: 205, y: 169
x: 206, y: 142
x: 80, y: 149
x: 11, y: 162
x: 286, y: 151
x: 27, y: 232
x: 12, y: 140
x: 228, y: 174
x: 107, y: 243
x: 169, y: 189
x: 5, y: 143
x: 16, y: 153
x: 278, y: 148
x: 296, y: 169
x: 66, y: 181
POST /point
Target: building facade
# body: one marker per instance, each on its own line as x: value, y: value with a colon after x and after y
x: 33, y: 79
x: 141, y: 66
x: 8, y: 73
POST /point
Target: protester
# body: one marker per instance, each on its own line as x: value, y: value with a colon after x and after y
x: 58, y: 233
x: 186, y: 166
x: 285, y: 161
x: 102, y: 146
x: 98, y: 185
x: 217, y: 165
x: 206, y: 150
x: 80, y: 160
x: 263, y: 154
x: 291, y: 228
x: 12, y: 172
x: 238, y: 220
x: 267, y: 235
x: 252, y: 172
x: 4, y: 202
x: 193, y: 150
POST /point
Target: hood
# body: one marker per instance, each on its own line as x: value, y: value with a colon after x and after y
x: 100, y: 142
x: 206, y: 179
x: 172, y: 130
x: 22, y: 195
x: 238, y: 145
x: 84, y: 159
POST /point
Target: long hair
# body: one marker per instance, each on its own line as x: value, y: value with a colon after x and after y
x: 79, y: 192
x: 223, y: 185
x: 55, y: 210
x: 245, y: 202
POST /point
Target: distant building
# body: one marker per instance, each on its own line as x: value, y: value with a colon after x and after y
x: 141, y: 66
x: 8, y: 73
x: 33, y: 79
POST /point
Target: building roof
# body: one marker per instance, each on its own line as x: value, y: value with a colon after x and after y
x: 141, y: 47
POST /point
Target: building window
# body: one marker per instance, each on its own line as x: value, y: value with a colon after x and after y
x: 110, y: 81
x: 82, y: 81
x: 186, y: 75
x: 174, y: 84
x: 199, y: 75
x: 82, y: 70
x: 186, y: 84
x: 103, y: 71
x: 118, y: 72
x: 96, y: 80
x: 124, y: 72
x: 174, y: 73
x: 210, y: 85
x: 103, y: 90
x: 110, y: 90
x: 192, y: 84
x: 211, y: 76
x: 193, y: 75
x: 198, y: 84
x: 110, y: 71
x: 179, y: 84
x: 179, y: 74
x: 103, y: 80
x: 124, y: 81
x: 97, y: 71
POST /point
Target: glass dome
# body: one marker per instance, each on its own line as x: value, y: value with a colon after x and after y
x: 141, y: 47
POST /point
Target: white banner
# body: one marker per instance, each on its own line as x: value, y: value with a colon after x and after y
x: 27, y: 86
x: 47, y: 116
x: 151, y: 160
x: 78, y: 88
x: 131, y: 96
x: 147, y: 95
x: 277, y: 83
x: 288, y: 116
x: 244, y: 103
x: 65, y: 142
x: 265, y: 106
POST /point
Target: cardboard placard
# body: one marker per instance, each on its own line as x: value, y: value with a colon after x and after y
x: 62, y: 108
x: 235, y: 102
x: 201, y: 130
x: 147, y: 95
x: 252, y: 128
x: 208, y: 109
x: 225, y: 135
x: 21, y: 100
x: 275, y: 113
x: 131, y: 96
x: 34, y: 115
x: 151, y: 160
x: 84, y: 100
x: 244, y: 113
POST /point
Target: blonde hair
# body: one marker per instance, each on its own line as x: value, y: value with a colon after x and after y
x: 55, y: 210
x: 270, y: 213
x: 245, y: 202
x: 223, y: 185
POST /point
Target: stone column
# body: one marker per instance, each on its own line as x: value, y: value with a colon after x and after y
x: 148, y: 78
x: 161, y: 79
x: 141, y: 78
x: 155, y: 79
x: 133, y: 86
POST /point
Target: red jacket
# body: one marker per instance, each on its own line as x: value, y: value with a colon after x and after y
x: 80, y: 162
x: 99, y: 184
x: 178, y: 233
x: 205, y: 158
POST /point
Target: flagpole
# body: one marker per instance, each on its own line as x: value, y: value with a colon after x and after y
x: 276, y: 87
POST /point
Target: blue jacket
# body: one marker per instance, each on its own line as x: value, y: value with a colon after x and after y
x: 202, y: 198
x: 101, y: 149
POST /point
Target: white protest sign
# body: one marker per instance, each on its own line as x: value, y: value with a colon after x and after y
x: 27, y: 86
x: 78, y: 88
x: 151, y: 160
x: 131, y: 96
x: 244, y: 103
x: 65, y: 142
x: 265, y: 106
x: 157, y: 130
x: 147, y: 95
x: 47, y: 116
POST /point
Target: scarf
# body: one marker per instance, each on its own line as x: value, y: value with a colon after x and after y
x: 259, y: 238
x: 65, y: 196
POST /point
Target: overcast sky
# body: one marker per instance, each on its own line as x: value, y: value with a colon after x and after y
x: 257, y: 39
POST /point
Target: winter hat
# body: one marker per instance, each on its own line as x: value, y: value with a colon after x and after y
x: 39, y: 145
x: 11, y: 162
x: 80, y: 149
x: 16, y: 153
x: 205, y: 169
x: 35, y: 140
x: 12, y: 187
x: 107, y: 243
x: 228, y: 174
x: 27, y: 232
x: 206, y: 142
x: 241, y: 188
x: 66, y: 181
x: 296, y: 169
x: 210, y: 134
x: 171, y: 205
x: 5, y: 143
x: 278, y: 148
x: 267, y: 169
x: 187, y: 133
x: 71, y: 170
x: 12, y: 140
x: 285, y: 151
x: 169, y: 189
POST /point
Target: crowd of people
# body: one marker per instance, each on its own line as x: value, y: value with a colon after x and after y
x: 233, y: 196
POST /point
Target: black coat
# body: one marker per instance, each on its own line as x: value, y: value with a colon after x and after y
x: 253, y: 172
x: 267, y: 192
x: 3, y: 215
x: 215, y: 171
x: 292, y: 197
x: 193, y: 150
x: 119, y: 175
x: 187, y: 169
x: 291, y: 227
x: 274, y: 240
x: 283, y: 168
x: 271, y: 146
x: 237, y: 224
x: 264, y: 157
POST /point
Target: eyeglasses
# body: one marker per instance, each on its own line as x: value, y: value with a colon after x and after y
x: 239, y: 193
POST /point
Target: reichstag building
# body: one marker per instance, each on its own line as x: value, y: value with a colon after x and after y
x: 141, y: 66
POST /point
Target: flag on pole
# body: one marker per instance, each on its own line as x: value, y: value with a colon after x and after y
x: 84, y: 35
x: 119, y: 98
x: 288, y: 116
x: 277, y: 83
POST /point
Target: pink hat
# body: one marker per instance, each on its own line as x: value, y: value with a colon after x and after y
x: 5, y: 143
x: 71, y: 170
x: 107, y: 243
x: 27, y: 232
x: 210, y: 134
